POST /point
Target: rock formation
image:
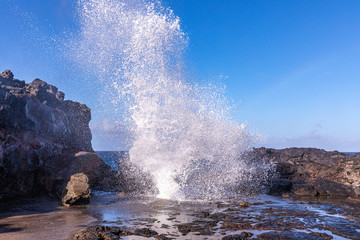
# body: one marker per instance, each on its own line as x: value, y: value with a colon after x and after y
x: 41, y: 135
x: 77, y: 190
x: 325, y: 173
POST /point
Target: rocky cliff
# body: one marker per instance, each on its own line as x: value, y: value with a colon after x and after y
x: 41, y: 135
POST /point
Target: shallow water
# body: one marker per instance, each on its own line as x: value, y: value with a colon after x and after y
x: 339, y: 219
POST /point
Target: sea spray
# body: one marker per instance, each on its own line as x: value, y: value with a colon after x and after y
x: 182, y: 132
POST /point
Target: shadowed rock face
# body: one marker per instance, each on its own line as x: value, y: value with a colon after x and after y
x: 38, y: 131
x: 37, y: 113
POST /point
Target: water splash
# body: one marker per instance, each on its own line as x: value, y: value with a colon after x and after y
x: 183, y: 135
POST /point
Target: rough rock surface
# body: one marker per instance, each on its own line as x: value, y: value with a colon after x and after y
x: 40, y: 135
x: 77, y: 190
x: 330, y: 173
x: 304, y: 190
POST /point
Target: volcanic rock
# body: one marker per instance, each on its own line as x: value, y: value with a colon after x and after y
x: 329, y: 188
x: 40, y: 135
x: 307, y: 165
x: 279, y: 186
x: 77, y: 190
x: 303, y: 190
x: 287, y: 235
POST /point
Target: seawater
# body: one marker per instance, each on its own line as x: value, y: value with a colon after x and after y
x: 182, y: 132
x: 112, y: 158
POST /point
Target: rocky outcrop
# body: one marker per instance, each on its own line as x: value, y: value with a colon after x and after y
x: 41, y: 135
x: 77, y: 190
x: 326, y: 173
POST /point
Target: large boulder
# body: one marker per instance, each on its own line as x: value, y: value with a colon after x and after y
x: 77, y: 191
x: 41, y: 135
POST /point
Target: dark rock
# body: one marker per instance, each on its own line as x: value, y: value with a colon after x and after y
x: 101, y: 176
x: 285, y: 169
x: 329, y: 188
x: 242, y: 236
x: 146, y: 232
x: 279, y: 186
x: 110, y: 233
x: 322, y: 235
x: 303, y: 190
x: 234, y: 237
x: 77, y: 190
x: 40, y: 135
x: 287, y: 236
x: 101, y: 233
x: 309, y: 164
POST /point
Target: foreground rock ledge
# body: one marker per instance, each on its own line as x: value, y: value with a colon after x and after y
x: 44, y: 139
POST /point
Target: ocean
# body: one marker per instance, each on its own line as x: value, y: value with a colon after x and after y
x: 112, y: 158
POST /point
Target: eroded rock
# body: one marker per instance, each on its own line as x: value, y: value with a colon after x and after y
x: 77, y: 191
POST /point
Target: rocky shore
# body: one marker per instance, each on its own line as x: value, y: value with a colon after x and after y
x: 45, y: 150
x: 313, y: 172
x: 44, y: 139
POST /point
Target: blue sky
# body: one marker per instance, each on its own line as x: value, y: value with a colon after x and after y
x: 292, y: 67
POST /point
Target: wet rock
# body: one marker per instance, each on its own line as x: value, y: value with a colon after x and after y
x: 234, y: 237
x: 146, y: 232
x: 77, y: 190
x: 343, y: 228
x: 303, y: 190
x: 322, y: 235
x: 199, y: 227
x: 247, y: 234
x: 279, y: 186
x: 244, y: 204
x: 112, y: 233
x: 236, y: 225
x: 100, y: 233
x: 242, y: 236
x: 329, y: 188
x: 287, y: 236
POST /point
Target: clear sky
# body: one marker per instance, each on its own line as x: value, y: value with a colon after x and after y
x: 292, y: 67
